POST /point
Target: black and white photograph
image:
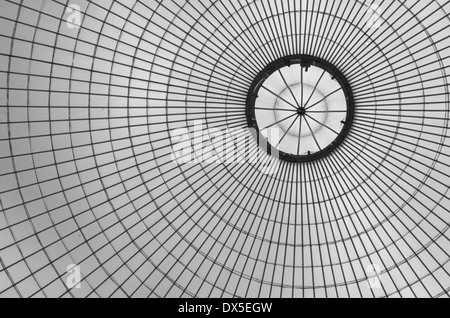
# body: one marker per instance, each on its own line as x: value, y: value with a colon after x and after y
x: 225, y: 154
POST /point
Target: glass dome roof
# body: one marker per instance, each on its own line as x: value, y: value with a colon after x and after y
x: 96, y: 95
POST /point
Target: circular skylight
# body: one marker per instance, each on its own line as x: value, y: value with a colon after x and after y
x: 303, y: 106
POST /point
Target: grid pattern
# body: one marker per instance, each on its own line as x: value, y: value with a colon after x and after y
x: 86, y: 175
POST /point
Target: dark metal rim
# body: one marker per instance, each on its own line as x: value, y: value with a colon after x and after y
x: 305, y: 61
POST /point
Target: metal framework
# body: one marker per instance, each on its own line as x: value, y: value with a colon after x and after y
x: 87, y: 177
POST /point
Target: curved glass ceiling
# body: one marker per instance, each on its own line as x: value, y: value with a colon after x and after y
x: 96, y: 96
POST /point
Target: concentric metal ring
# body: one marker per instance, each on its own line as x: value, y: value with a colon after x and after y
x: 339, y: 134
